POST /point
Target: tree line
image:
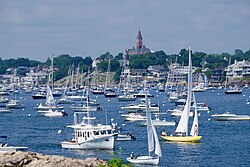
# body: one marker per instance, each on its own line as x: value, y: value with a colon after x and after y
x: 64, y: 61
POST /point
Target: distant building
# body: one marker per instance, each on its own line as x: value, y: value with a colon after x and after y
x: 178, y: 74
x: 235, y: 72
x: 217, y: 76
x: 140, y: 48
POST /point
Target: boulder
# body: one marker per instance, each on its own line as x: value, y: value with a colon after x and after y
x: 32, y: 159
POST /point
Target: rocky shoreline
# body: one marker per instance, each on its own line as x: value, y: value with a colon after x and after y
x: 33, y: 159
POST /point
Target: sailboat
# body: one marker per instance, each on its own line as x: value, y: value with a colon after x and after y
x: 154, y: 149
x: 50, y: 108
x: 50, y: 101
x: 108, y: 92
x: 181, y: 132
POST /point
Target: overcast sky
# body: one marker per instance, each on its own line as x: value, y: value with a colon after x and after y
x: 36, y: 29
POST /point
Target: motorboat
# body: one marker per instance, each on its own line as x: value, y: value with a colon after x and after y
x: 133, y: 117
x: 127, y: 97
x: 5, y: 110
x: 4, y: 147
x: 125, y: 137
x: 89, y: 136
x: 52, y: 113
x: 44, y: 107
x: 233, y: 90
x: 142, y: 107
x: 39, y: 95
x: 230, y: 117
x: 84, y: 108
x: 14, y: 104
x: 141, y: 93
x: 157, y: 122
x: 4, y: 99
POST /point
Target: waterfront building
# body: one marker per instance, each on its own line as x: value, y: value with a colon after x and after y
x: 237, y: 71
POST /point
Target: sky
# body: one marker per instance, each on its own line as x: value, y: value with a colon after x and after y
x: 38, y: 29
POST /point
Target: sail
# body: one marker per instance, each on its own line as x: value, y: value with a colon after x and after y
x: 49, y: 97
x: 183, y: 123
x: 153, y: 141
x: 157, y: 144
x: 194, y: 129
x: 150, y: 132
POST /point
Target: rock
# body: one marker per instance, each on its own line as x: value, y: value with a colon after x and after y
x: 32, y: 159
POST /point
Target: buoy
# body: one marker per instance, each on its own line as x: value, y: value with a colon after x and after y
x: 163, y: 104
x: 218, y: 94
x: 248, y: 102
x: 208, y: 112
x: 108, y: 100
x: 208, y: 119
x: 243, y: 95
x: 59, y: 131
x: 29, y: 115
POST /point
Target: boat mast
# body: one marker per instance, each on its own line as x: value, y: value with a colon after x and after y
x: 189, y: 87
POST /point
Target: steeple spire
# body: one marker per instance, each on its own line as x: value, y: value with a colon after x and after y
x: 139, y: 40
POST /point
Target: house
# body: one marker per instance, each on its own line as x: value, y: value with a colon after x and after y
x: 237, y: 71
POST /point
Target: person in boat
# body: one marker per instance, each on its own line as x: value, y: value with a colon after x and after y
x: 175, y: 123
x: 163, y: 133
x: 195, y: 130
x: 132, y: 155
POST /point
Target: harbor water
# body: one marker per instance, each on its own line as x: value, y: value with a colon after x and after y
x: 223, y: 143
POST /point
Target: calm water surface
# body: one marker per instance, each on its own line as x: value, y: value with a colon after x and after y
x: 223, y: 143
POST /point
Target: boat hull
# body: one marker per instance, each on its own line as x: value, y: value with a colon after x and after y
x: 145, y: 160
x: 103, y: 143
x: 12, y: 149
x: 182, y: 138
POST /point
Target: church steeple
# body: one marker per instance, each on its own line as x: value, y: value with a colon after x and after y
x: 139, y: 40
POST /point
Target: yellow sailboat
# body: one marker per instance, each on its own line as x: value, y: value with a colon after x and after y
x: 181, y: 132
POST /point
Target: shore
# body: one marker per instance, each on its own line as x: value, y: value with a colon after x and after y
x: 33, y: 159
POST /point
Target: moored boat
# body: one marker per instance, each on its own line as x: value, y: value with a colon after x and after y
x: 230, y: 117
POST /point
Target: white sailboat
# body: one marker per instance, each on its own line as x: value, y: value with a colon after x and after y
x: 181, y: 132
x: 50, y: 101
x: 154, y: 149
x: 50, y: 108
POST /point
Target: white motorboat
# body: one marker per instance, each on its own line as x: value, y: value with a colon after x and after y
x: 14, y: 104
x: 44, y: 107
x: 5, y: 148
x: 233, y: 90
x: 133, y: 117
x: 230, y: 117
x: 5, y: 110
x: 142, y: 93
x: 4, y: 99
x: 83, y: 108
x: 88, y: 136
x: 52, y: 113
x: 142, y: 107
x: 125, y: 137
x: 158, y: 122
x: 127, y: 97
